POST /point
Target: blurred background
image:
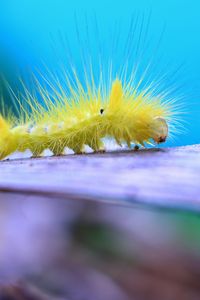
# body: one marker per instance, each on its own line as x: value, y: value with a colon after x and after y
x: 31, y: 34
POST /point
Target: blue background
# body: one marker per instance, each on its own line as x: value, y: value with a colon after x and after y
x: 27, y: 27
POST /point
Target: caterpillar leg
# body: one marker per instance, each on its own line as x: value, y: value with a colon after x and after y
x: 36, y: 154
x: 3, y: 155
x: 117, y: 140
x: 136, y: 148
x: 37, y: 150
x: 58, y: 153
x: 128, y: 140
x: 58, y: 150
x: 79, y: 149
x: 97, y: 145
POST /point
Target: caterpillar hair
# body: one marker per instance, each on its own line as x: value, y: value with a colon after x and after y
x: 75, y: 114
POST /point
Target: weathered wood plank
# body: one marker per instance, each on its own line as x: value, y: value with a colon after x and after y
x: 160, y: 177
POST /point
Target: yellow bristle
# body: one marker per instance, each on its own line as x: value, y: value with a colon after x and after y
x: 84, y: 118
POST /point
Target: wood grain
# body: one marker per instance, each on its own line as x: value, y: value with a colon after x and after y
x: 162, y: 178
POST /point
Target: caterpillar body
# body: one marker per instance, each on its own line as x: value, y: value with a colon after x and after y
x: 86, y: 118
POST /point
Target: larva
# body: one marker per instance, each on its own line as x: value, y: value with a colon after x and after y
x: 124, y: 114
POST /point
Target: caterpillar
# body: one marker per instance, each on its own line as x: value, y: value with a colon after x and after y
x: 85, y: 114
x: 87, y: 119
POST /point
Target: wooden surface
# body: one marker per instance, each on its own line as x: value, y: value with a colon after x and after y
x: 167, y: 178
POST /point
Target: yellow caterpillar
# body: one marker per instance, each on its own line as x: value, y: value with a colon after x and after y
x: 85, y: 117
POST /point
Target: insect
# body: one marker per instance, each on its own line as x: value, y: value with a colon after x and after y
x: 124, y: 115
x: 88, y: 113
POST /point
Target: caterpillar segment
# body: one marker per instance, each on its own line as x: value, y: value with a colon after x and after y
x: 127, y: 116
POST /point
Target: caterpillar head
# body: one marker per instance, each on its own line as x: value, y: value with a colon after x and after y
x: 160, y: 130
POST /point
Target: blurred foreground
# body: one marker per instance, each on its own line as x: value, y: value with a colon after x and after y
x: 76, y: 250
